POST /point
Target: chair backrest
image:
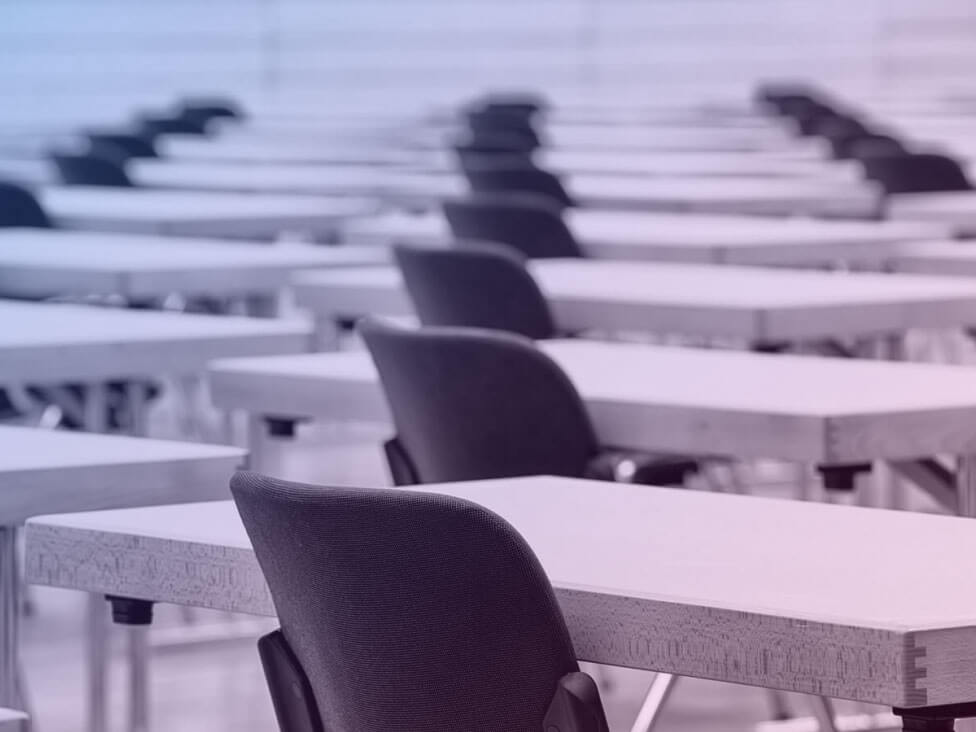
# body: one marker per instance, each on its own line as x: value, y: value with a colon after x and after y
x: 94, y: 168
x: 155, y: 126
x: 469, y: 404
x: 508, y: 176
x: 479, y: 286
x: 531, y: 224
x: 18, y: 207
x: 915, y: 173
x: 407, y: 611
x: 503, y: 122
x: 129, y: 145
x: 837, y: 127
x: 866, y: 145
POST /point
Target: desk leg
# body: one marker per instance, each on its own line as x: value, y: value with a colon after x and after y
x: 96, y: 408
x: 135, y: 397
x: 966, y: 485
x: 138, y: 638
x: 657, y: 695
x: 98, y: 639
x: 256, y: 439
x: 9, y: 619
x: 325, y: 335
x: 261, y: 306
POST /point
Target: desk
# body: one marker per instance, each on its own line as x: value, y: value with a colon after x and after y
x: 736, y: 589
x: 270, y: 178
x: 667, y: 237
x: 49, y: 262
x: 764, y: 165
x: 42, y: 471
x: 754, y: 304
x: 957, y: 210
x: 52, y: 344
x: 734, y: 194
x: 270, y: 152
x: 956, y: 258
x: 181, y: 213
x: 821, y: 411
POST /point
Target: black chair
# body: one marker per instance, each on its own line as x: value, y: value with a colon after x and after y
x: 93, y: 168
x: 18, y: 207
x: 866, y: 145
x: 915, y: 173
x: 517, y: 177
x: 129, y: 145
x: 407, y: 611
x: 531, y: 224
x: 479, y: 286
x: 471, y: 404
x: 508, y: 123
x: 179, y: 125
x: 495, y: 142
x: 202, y: 111
x: 839, y: 126
x: 808, y: 117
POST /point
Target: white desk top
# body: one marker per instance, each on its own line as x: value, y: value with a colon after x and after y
x: 54, y: 262
x: 740, y: 589
x: 685, y: 237
x: 736, y: 302
x: 42, y: 471
x: 716, y: 164
x: 957, y: 210
x: 184, y: 149
x: 733, y: 194
x: 276, y: 178
x: 45, y: 342
x: 194, y: 213
x: 703, y: 402
x: 956, y: 258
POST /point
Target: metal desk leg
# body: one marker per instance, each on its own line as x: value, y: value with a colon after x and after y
x: 966, y: 485
x: 658, y: 693
x: 9, y: 618
x: 138, y: 641
x: 261, y: 306
x: 98, y: 638
x: 325, y: 336
x: 256, y: 439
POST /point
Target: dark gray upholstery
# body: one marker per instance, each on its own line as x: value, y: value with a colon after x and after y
x: 92, y: 169
x: 866, y: 145
x: 479, y: 285
x: 511, y: 176
x: 408, y: 611
x: 915, y: 173
x: 531, y: 224
x: 471, y: 404
x: 129, y: 144
x: 18, y: 207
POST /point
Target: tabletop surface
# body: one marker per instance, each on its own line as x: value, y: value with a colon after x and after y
x: 122, y: 203
x: 691, y: 163
x: 271, y: 177
x: 26, y: 324
x: 117, y: 252
x: 595, y: 227
x: 729, y: 287
x: 642, y: 574
x: 691, y: 400
x: 45, y: 471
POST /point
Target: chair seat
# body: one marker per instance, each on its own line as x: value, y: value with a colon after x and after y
x: 641, y: 468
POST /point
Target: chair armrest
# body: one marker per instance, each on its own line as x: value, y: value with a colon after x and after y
x: 576, y: 706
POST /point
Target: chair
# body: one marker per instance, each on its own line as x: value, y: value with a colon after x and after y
x: 155, y: 126
x: 502, y: 122
x: 129, y: 145
x: 18, y: 207
x: 866, y: 145
x: 528, y: 223
x: 471, y: 404
x: 94, y: 168
x: 839, y: 126
x: 202, y: 111
x: 406, y: 611
x: 479, y: 286
x: 915, y: 173
x: 515, y: 177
